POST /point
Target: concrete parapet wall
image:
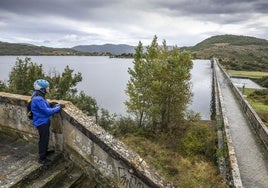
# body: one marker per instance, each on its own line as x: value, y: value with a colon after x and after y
x: 260, y: 128
x: 83, y: 141
x: 13, y: 115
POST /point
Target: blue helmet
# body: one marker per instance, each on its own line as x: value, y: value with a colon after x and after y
x: 41, y: 85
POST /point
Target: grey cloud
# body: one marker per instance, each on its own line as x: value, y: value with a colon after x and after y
x: 219, y: 11
x: 105, y: 11
x: 262, y: 7
x: 79, y: 9
x: 212, y: 6
x: 82, y: 9
x: 133, y: 19
x: 46, y: 41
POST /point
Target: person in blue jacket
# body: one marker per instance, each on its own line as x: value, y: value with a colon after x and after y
x: 42, y: 111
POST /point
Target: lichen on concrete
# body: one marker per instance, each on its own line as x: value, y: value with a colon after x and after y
x: 74, y: 130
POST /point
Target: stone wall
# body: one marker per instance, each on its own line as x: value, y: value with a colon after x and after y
x: 99, y: 154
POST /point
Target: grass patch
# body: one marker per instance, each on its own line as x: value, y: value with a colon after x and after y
x: 259, y: 106
x: 258, y: 100
x: 249, y: 74
x: 261, y: 110
x: 185, y: 156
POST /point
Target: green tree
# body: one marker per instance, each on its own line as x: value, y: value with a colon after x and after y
x: 106, y: 119
x: 86, y: 103
x: 3, y: 86
x: 159, y: 85
x: 23, y: 75
x: 136, y: 87
x: 64, y: 85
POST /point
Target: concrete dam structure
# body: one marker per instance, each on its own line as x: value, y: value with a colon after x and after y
x: 87, y: 156
x: 96, y: 156
x: 246, y: 136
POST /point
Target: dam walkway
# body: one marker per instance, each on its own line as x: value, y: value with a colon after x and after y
x: 251, y: 154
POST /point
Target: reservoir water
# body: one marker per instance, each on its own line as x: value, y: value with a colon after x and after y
x: 247, y: 83
x: 105, y: 79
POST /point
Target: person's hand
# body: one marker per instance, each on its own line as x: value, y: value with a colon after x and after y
x: 53, y: 104
x: 61, y: 105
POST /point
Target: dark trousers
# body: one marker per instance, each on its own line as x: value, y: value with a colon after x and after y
x: 43, y: 131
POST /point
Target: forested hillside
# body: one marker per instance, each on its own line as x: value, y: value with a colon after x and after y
x: 234, y: 52
x: 24, y: 49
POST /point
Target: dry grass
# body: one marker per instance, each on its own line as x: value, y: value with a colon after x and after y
x: 258, y: 105
x: 165, y: 153
x: 249, y: 74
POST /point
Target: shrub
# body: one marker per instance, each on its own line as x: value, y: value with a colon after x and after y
x: 3, y: 86
x: 199, y: 139
x: 263, y: 81
x: 266, y: 101
x: 259, y: 95
x: 121, y: 126
x: 106, y: 120
x: 190, y: 115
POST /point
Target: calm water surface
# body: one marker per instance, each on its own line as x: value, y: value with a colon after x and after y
x: 105, y: 79
x: 240, y: 82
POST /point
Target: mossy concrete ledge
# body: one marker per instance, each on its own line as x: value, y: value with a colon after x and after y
x: 101, y: 156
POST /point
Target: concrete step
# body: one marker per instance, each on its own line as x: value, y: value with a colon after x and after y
x: 31, y: 170
x: 62, y: 174
x: 14, y: 176
x: 72, y: 178
x: 48, y: 176
x: 17, y: 160
x: 19, y: 167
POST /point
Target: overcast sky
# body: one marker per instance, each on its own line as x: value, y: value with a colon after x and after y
x: 67, y: 23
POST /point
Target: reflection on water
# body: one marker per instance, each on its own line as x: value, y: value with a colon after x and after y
x: 201, y: 78
x: 240, y: 82
x: 105, y: 79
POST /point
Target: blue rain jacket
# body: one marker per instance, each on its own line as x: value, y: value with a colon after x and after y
x: 42, y: 111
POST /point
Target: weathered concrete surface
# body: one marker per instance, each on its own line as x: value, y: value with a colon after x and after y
x: 17, y: 160
x: 107, y: 160
x: 19, y: 167
x: 251, y: 155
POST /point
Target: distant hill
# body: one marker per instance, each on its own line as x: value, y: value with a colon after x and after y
x: 28, y: 49
x: 234, y: 52
x: 115, y: 49
x: 231, y: 40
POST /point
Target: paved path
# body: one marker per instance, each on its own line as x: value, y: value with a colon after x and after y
x: 251, y: 156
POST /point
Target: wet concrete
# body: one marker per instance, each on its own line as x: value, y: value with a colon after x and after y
x: 16, y: 158
x: 15, y: 152
x: 19, y: 167
x: 251, y: 155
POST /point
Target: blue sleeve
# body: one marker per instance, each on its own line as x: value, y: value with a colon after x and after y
x: 46, y: 109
